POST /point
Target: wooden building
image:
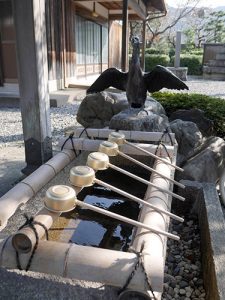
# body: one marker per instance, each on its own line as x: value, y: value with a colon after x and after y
x: 83, y: 37
x: 47, y: 44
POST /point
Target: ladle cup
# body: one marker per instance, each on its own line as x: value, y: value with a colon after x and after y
x: 119, y: 138
x: 100, y: 161
x: 112, y: 149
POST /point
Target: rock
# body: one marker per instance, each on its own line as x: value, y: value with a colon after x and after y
x: 96, y: 110
x: 196, y: 116
x: 154, y: 106
x: 140, y: 120
x: 182, y: 292
x: 183, y: 284
x: 188, y: 137
x: 207, y: 165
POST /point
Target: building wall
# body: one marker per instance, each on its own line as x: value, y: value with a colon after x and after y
x: 211, y: 50
x: 115, y: 44
x: 8, y: 68
x: 63, y: 34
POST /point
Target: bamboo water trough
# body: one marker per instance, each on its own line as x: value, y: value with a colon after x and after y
x: 111, y: 267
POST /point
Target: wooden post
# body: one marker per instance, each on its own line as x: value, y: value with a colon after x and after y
x: 124, y: 36
x: 143, y: 45
x: 29, y: 17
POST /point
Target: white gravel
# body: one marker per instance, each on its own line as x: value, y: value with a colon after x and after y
x: 63, y: 117
x: 11, y: 133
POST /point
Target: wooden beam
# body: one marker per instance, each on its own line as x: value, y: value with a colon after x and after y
x: 124, y: 36
x: 33, y: 80
x: 139, y: 11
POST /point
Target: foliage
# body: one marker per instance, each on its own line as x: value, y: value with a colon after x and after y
x: 152, y: 60
x: 158, y: 25
x: 214, y: 108
x: 215, y: 27
x: 156, y: 51
x: 193, y: 62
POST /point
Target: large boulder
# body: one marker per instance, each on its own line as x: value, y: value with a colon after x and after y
x: 196, y: 116
x: 139, y: 120
x: 188, y: 137
x: 207, y: 164
x: 96, y: 110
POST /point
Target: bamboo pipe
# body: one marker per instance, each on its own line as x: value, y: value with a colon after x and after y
x: 119, y: 138
x: 80, y: 262
x: 83, y: 144
x: 100, y: 161
x: 24, y: 240
x: 112, y: 149
x: 129, y: 135
x: 28, y: 187
x: 77, y: 178
x: 60, y: 197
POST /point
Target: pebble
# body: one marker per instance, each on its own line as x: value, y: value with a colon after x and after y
x: 183, y: 267
x: 12, y: 133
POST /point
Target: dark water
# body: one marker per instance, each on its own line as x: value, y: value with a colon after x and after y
x: 97, y: 230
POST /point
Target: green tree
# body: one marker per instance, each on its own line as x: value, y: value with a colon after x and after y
x: 215, y: 27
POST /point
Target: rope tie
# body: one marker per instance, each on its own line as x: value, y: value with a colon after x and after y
x: 30, y: 223
x: 160, y: 143
x: 72, y: 143
x: 85, y: 130
x: 139, y: 262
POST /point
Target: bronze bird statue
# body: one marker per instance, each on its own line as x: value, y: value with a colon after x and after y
x: 135, y: 82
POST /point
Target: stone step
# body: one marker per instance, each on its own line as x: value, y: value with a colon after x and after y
x: 219, y: 77
x: 212, y: 70
x: 216, y: 63
x: 220, y: 56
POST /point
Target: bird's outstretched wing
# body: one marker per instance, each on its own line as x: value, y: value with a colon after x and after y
x: 161, y: 77
x: 110, y: 77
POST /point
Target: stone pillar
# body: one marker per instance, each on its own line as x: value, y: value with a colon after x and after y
x: 29, y: 18
x: 177, y: 50
x: 124, y: 36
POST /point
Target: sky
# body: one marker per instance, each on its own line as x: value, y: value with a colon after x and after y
x: 203, y: 3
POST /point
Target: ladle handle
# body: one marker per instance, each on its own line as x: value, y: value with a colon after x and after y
x: 153, y: 155
x: 145, y: 181
x: 150, y: 169
x: 136, y: 199
x: 125, y: 219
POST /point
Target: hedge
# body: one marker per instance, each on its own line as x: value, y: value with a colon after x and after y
x: 152, y: 60
x: 214, y: 108
x: 193, y: 62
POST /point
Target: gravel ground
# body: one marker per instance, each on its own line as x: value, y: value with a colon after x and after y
x: 11, y: 133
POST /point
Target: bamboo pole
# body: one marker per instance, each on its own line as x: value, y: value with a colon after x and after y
x: 80, y: 262
x: 153, y: 155
x: 125, y: 219
x: 103, y: 133
x: 28, y: 187
x: 24, y: 240
x: 138, y: 200
x: 145, y: 181
x: 93, y: 145
x: 150, y: 169
x: 152, y: 244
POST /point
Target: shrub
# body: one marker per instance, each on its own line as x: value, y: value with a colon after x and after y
x: 214, y: 108
x: 193, y: 62
x: 155, y: 51
x: 151, y: 60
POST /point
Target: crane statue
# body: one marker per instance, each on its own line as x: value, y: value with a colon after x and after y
x: 135, y: 82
